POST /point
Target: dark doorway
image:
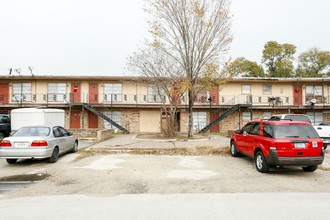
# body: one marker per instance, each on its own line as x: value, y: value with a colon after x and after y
x: 177, y: 116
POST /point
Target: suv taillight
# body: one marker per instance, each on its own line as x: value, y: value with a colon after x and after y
x: 272, y: 146
x: 5, y: 143
x: 40, y: 143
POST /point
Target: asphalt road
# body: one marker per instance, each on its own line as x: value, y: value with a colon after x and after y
x: 174, y: 206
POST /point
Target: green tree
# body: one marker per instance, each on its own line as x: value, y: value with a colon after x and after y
x: 313, y: 63
x: 194, y: 35
x: 278, y: 59
x: 245, y: 68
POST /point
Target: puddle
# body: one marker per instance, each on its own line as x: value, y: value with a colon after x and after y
x: 25, y: 177
x: 11, y: 183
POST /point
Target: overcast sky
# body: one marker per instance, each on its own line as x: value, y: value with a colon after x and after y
x: 94, y: 37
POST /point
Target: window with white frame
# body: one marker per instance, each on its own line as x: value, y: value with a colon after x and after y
x: 115, y: 116
x: 316, y: 117
x: 155, y: 94
x: 246, y: 89
x: 246, y: 116
x: 267, y: 89
x: 314, y: 92
x: 267, y: 115
x: 199, y: 120
x: 57, y: 92
x: 202, y: 97
x: 21, y: 92
x: 113, y: 92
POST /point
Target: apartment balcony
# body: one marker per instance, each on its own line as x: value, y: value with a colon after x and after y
x: 155, y: 101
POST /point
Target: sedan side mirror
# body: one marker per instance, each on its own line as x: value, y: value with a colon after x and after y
x: 238, y: 131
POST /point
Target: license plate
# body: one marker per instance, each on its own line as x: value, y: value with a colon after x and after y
x: 299, y: 145
x: 21, y: 145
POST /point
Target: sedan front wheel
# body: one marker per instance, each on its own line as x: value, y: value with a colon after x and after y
x: 11, y: 161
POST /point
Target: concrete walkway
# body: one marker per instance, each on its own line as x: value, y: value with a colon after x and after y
x: 132, y: 141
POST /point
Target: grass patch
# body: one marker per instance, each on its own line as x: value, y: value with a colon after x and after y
x: 186, y: 151
x: 324, y: 168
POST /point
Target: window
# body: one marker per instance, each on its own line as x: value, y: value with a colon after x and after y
x: 314, y: 92
x: 199, y: 120
x: 295, y: 131
x: 57, y: 92
x: 267, y: 89
x: 267, y: 115
x: 201, y: 97
x: 316, y: 117
x: 22, y: 92
x: 155, y: 94
x: 246, y: 116
x: 115, y: 116
x: 255, y: 129
x: 4, y: 119
x: 246, y: 129
x: 246, y: 89
x: 267, y: 130
x: 112, y: 92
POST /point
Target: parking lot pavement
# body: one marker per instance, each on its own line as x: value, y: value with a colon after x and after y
x: 164, y: 174
x: 132, y: 141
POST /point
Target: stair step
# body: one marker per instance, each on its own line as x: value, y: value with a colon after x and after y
x: 224, y: 115
x: 100, y: 114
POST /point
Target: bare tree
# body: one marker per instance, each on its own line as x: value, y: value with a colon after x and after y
x: 163, y: 75
x: 192, y: 35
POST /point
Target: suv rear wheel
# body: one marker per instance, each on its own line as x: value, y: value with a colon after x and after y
x: 261, y: 163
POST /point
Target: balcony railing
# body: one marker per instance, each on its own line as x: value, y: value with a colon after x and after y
x: 151, y: 99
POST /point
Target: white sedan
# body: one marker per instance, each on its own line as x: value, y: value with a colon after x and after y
x: 38, y: 142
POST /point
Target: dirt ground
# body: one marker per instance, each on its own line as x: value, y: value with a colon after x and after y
x: 112, y: 174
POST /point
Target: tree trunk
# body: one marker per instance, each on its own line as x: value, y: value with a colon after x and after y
x: 190, y: 113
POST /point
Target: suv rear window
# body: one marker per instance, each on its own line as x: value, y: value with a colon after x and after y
x: 298, y: 118
x: 294, y: 131
x: 304, y: 118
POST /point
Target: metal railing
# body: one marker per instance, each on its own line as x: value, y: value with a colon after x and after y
x: 148, y: 99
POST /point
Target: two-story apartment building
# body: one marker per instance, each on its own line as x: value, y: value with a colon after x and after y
x: 136, y: 106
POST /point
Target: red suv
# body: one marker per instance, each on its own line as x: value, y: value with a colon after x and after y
x: 279, y: 143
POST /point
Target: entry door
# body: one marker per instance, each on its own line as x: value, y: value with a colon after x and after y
x: 214, y: 94
x: 93, y: 93
x: 297, y: 95
x: 4, y: 93
x: 213, y: 116
x: 92, y: 120
x: 75, y: 119
x: 75, y: 91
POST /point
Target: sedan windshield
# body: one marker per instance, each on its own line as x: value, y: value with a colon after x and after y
x: 32, y: 131
x: 295, y: 131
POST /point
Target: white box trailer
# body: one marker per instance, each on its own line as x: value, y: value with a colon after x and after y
x: 36, y: 116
